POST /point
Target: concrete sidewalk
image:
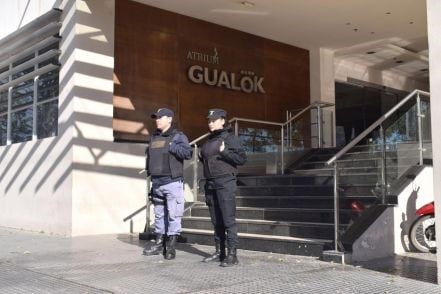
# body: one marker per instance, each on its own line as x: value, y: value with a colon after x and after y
x: 38, y: 263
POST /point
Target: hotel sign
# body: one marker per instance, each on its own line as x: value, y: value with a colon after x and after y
x: 245, y: 81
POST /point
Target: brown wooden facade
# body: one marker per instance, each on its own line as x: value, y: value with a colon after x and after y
x: 152, y: 48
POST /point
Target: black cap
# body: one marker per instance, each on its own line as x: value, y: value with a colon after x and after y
x: 216, y: 113
x: 162, y: 112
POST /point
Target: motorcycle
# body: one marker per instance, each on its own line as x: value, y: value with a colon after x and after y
x: 422, y: 231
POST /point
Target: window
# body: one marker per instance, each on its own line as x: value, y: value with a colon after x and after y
x: 29, y: 88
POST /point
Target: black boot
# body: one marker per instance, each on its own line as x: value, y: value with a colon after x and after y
x: 156, y: 248
x: 219, y: 255
x: 170, y: 252
x: 231, y: 258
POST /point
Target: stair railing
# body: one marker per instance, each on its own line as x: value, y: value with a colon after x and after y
x: 417, y: 95
x: 284, y: 128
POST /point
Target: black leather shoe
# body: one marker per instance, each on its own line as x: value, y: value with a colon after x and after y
x: 219, y: 255
x: 231, y: 258
x: 155, y: 249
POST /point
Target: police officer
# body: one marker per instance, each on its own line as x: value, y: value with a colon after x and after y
x: 165, y: 155
x: 221, y: 154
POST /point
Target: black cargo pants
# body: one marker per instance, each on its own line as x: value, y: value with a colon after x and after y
x: 220, y: 196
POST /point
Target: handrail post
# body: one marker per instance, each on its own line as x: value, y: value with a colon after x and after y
x: 195, y: 173
x: 420, y: 128
x: 336, y: 209
x: 383, y: 165
x: 236, y: 128
x: 319, y: 126
x: 282, y: 163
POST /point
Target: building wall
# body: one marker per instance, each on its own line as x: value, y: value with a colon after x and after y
x: 152, y: 47
x: 107, y: 185
x: 79, y: 182
x: 345, y: 69
x: 36, y: 176
x: 15, y: 14
x: 434, y: 31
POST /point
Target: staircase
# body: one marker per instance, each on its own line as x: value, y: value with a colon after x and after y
x: 294, y: 213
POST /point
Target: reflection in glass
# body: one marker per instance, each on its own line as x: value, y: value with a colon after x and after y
x: 3, y: 129
x: 23, y: 94
x: 48, y: 85
x: 21, y: 125
x: 3, y: 101
x: 47, y: 119
x: 5, y: 79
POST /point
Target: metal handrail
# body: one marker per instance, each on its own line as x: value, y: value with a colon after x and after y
x: 310, y: 106
x: 379, y: 123
x: 373, y: 126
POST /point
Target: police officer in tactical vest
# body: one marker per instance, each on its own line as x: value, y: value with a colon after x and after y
x: 221, y: 154
x: 165, y: 155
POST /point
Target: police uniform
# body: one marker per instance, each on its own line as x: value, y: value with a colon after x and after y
x: 220, y: 169
x: 165, y: 156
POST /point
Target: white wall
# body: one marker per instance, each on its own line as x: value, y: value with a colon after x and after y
x: 322, y: 84
x: 106, y: 184
x: 17, y: 13
x: 434, y: 31
x: 36, y: 177
x: 417, y: 194
x: 80, y: 182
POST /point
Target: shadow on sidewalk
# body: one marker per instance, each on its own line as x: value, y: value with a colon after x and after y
x: 185, y: 247
x: 421, y: 267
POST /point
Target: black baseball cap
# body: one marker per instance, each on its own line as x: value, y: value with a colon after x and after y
x: 216, y: 113
x: 162, y: 112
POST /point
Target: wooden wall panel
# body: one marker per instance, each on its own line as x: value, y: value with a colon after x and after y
x: 151, y: 47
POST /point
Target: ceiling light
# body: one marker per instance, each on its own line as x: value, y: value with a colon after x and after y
x: 388, y: 12
x: 247, y: 3
x: 411, y: 22
x: 355, y: 30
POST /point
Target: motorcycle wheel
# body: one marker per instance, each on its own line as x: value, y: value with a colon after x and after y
x: 418, y: 238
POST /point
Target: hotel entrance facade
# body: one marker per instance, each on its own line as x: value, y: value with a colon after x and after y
x: 79, y: 80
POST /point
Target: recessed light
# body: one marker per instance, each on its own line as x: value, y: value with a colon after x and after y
x: 388, y: 12
x: 399, y: 61
x: 411, y: 22
x: 247, y: 3
x: 355, y: 30
x: 371, y: 52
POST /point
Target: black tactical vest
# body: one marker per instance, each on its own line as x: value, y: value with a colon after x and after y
x: 160, y: 161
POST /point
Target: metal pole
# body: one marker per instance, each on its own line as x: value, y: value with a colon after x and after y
x: 336, y: 209
x: 282, y: 163
x: 383, y: 165
x: 195, y: 173
x: 319, y: 126
x: 420, y: 128
x: 236, y: 128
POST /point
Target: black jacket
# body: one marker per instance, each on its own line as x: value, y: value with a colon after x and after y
x: 218, y: 164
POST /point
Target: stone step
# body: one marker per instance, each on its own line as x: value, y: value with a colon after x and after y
x: 302, y: 190
x: 270, y: 228
x: 299, y: 201
x: 275, y: 244
x: 283, y: 214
